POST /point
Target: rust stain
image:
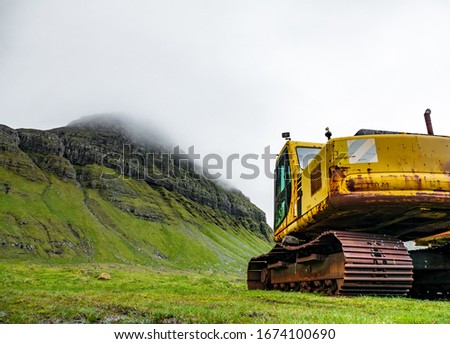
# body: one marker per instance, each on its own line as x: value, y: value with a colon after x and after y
x: 446, y: 168
x: 351, y: 184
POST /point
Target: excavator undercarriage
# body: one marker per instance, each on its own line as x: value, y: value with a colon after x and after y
x: 346, y: 263
x: 431, y: 272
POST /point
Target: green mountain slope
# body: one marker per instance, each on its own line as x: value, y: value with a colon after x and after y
x: 57, y: 204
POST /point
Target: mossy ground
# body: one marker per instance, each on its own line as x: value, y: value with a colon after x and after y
x: 39, y: 293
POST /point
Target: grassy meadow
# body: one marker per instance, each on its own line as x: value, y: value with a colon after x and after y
x: 43, y: 293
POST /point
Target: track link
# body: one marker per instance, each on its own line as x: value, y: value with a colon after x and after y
x: 336, y: 263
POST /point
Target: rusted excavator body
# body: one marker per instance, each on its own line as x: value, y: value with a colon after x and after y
x: 344, y: 210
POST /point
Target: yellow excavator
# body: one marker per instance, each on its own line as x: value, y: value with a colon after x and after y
x: 346, y: 211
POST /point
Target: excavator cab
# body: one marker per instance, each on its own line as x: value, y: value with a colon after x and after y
x: 290, y: 167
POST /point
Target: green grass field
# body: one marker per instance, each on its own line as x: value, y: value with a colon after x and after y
x: 38, y: 293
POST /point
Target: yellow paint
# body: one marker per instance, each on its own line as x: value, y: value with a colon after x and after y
x: 401, y: 165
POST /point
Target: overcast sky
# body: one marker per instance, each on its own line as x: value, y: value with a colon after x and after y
x: 228, y: 76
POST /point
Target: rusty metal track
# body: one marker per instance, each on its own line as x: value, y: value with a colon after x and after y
x: 349, y: 264
x: 375, y: 265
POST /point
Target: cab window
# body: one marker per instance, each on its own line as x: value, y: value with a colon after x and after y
x: 282, y: 188
x: 305, y: 155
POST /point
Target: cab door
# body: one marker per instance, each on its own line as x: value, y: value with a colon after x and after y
x: 282, y: 189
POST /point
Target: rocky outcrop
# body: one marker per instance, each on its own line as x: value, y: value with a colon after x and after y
x: 13, y: 159
x: 40, y: 142
x: 46, y: 149
x: 9, y: 139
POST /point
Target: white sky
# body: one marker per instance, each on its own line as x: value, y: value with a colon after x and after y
x: 228, y: 76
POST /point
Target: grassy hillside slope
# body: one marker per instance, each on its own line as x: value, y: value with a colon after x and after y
x: 43, y: 217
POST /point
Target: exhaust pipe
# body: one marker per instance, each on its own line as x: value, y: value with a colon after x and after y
x: 428, y: 122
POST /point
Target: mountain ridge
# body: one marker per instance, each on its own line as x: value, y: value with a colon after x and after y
x: 98, y: 172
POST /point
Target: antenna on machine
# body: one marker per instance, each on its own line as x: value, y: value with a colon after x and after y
x: 328, y: 133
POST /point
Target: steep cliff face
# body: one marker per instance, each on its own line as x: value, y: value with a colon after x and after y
x: 104, y: 170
